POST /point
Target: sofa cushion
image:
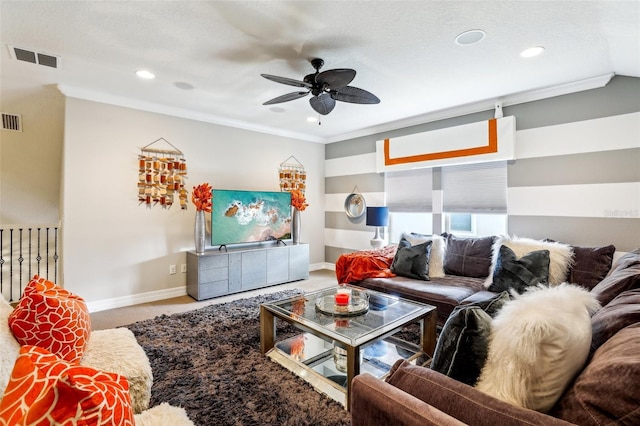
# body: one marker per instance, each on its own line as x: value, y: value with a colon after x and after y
x: 52, y: 318
x: 436, y: 255
x: 469, y: 257
x: 607, y: 391
x: 9, y: 346
x: 622, y: 311
x: 624, y: 275
x: 44, y: 389
x: 511, y: 273
x: 412, y: 261
x: 560, y: 256
x: 444, y: 293
x: 590, y: 265
x: 539, y: 341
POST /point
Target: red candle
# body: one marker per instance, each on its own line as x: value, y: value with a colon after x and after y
x: 342, y: 299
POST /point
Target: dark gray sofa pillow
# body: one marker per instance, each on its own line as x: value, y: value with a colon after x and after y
x: 591, y: 265
x: 412, y: 261
x: 468, y: 257
x: 519, y: 274
x: 462, y: 348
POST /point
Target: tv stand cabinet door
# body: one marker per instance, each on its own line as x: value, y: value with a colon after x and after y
x: 278, y: 265
x: 254, y: 269
x: 298, y: 262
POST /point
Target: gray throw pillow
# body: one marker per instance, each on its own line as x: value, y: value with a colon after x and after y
x: 519, y: 274
x: 412, y: 261
x: 462, y: 348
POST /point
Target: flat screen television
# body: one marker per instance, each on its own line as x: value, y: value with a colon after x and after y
x: 250, y: 216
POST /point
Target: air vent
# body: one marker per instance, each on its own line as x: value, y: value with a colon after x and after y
x: 34, y: 57
x: 12, y: 122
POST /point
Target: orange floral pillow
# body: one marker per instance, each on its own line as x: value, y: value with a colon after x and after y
x: 52, y: 318
x: 45, y: 390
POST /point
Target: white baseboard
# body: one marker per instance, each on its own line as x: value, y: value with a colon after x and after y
x: 152, y: 296
x: 136, y: 299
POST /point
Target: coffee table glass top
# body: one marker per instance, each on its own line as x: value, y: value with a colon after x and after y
x: 384, y: 313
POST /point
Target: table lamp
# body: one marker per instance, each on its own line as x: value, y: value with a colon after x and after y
x: 378, y: 217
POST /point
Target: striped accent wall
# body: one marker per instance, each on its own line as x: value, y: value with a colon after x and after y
x: 576, y: 177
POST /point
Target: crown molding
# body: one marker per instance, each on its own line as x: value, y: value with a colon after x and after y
x: 484, y: 105
x: 95, y: 96
x: 471, y: 108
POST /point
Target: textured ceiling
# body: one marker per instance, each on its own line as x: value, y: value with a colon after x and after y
x: 403, y: 51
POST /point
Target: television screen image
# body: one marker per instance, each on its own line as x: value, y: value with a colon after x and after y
x: 250, y: 216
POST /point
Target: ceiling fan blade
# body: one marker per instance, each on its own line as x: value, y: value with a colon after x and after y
x: 285, y: 80
x: 322, y: 104
x: 354, y: 95
x: 286, y: 98
x: 337, y: 78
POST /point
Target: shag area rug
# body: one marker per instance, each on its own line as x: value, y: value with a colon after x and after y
x: 208, y: 361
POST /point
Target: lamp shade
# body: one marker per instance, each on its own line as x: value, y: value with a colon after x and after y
x: 377, y: 216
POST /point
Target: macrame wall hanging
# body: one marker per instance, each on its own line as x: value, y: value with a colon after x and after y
x: 292, y: 175
x: 161, y: 176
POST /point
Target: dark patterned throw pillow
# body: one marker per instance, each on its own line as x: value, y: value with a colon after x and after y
x: 519, y: 274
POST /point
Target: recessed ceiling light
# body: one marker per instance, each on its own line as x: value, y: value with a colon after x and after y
x: 183, y: 85
x: 532, y: 51
x: 312, y: 119
x: 470, y: 37
x: 147, y: 75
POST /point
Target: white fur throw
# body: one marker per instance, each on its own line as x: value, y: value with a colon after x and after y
x: 164, y: 415
x: 438, y: 247
x: 538, y: 343
x: 9, y: 346
x: 117, y: 351
x: 560, y: 256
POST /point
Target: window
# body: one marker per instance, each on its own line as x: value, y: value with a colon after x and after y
x: 474, y: 198
x: 409, y: 198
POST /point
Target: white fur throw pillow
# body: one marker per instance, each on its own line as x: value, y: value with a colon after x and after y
x: 164, y: 415
x: 538, y: 342
x: 9, y: 346
x: 438, y: 247
x: 116, y: 350
x: 560, y: 256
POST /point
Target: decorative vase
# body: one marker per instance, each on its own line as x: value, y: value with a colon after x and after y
x: 199, y: 231
x: 295, y: 226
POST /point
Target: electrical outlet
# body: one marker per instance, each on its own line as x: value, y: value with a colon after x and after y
x: 183, y: 268
x: 172, y: 269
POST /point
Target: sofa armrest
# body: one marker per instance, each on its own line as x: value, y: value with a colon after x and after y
x: 375, y: 402
x: 462, y: 401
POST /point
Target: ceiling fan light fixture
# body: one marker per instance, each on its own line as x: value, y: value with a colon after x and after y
x: 470, y: 37
x: 532, y: 51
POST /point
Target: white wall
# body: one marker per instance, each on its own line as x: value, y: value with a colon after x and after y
x: 116, y: 251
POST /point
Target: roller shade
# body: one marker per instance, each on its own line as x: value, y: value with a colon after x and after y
x: 409, y: 190
x: 475, y: 188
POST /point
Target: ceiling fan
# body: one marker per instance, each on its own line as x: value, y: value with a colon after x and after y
x: 327, y: 87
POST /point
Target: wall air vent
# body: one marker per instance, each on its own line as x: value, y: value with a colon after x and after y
x: 34, y: 57
x: 12, y: 122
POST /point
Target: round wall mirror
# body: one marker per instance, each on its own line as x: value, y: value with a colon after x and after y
x: 355, y: 206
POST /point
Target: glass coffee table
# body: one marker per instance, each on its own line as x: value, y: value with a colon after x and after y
x: 339, y: 342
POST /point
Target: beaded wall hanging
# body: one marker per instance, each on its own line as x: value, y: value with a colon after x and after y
x: 161, y: 176
x: 292, y: 175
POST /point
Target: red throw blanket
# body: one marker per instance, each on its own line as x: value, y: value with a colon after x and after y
x: 356, y: 266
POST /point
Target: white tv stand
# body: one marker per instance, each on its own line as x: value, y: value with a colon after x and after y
x: 218, y: 273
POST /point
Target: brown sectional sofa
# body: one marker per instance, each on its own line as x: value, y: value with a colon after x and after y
x: 605, y: 391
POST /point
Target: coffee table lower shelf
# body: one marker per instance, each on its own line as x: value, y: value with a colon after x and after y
x: 318, y: 363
